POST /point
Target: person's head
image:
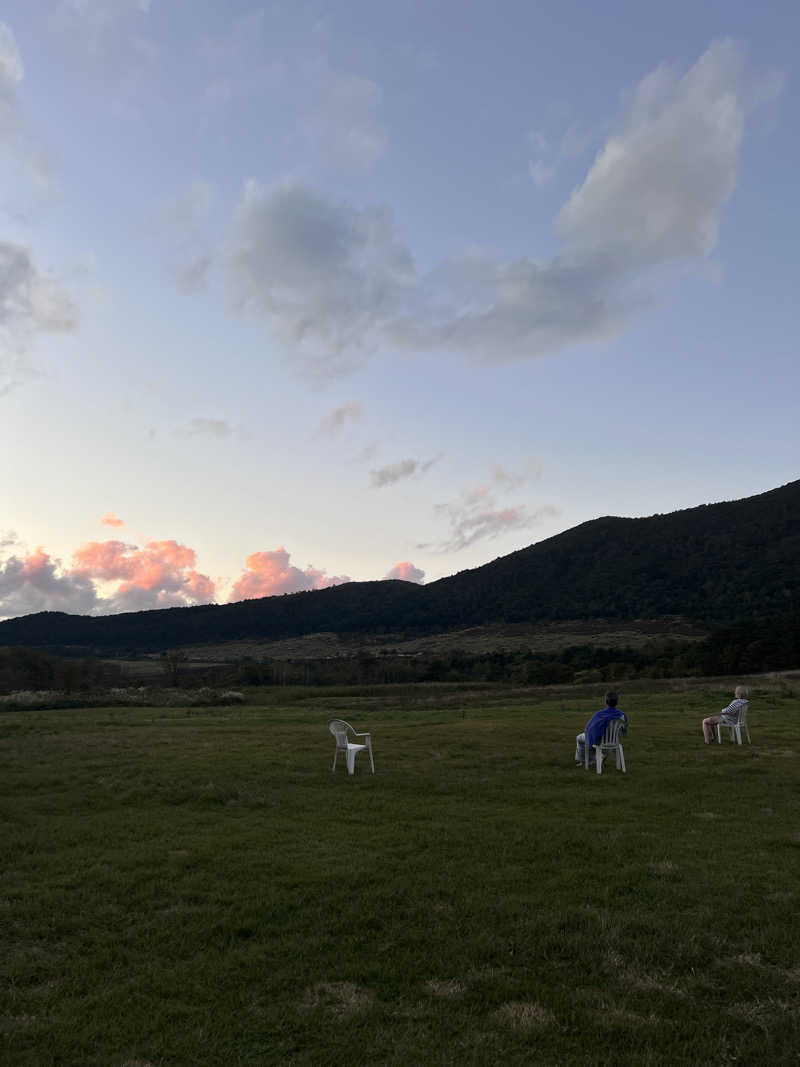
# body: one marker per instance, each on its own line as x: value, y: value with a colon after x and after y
x: 611, y: 699
x: 742, y: 692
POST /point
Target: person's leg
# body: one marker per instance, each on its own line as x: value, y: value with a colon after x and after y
x: 580, y: 748
x: 708, y: 728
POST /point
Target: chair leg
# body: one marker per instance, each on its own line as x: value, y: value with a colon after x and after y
x: 598, y: 749
x: 621, y: 759
x: 336, y: 753
x: 747, y: 733
x: 371, y: 760
x: 351, y: 761
x: 719, y: 733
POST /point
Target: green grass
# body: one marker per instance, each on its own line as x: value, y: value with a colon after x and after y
x: 198, y: 889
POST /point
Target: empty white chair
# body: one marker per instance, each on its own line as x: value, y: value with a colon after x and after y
x: 735, y: 728
x: 342, y: 730
x: 609, y: 743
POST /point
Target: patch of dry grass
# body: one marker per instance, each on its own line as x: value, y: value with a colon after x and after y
x: 444, y: 988
x: 340, y: 999
x: 524, y: 1015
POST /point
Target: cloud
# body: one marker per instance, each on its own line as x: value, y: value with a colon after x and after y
x: 406, y: 572
x: 31, y: 302
x: 655, y: 191
x: 160, y: 575
x: 395, y: 472
x: 327, y: 277
x: 337, y: 283
x: 206, y: 428
x: 332, y: 423
x: 35, y: 583
x: 110, y: 519
x: 270, y: 573
x: 476, y: 516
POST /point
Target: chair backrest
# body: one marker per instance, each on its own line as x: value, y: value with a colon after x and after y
x: 611, y: 735
x: 738, y: 717
x: 339, y: 728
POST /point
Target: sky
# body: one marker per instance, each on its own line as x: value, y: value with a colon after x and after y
x: 296, y: 294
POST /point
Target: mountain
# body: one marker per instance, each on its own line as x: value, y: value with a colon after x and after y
x: 716, y: 563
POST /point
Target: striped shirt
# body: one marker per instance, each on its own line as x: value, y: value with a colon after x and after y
x: 731, y: 715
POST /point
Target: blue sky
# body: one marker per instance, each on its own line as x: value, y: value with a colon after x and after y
x: 298, y: 293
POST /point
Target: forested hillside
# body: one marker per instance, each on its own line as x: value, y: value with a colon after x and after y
x: 718, y: 563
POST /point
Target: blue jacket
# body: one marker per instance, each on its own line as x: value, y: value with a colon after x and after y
x: 596, y: 726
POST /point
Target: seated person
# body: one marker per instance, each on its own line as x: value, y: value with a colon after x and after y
x: 728, y: 716
x: 596, y: 727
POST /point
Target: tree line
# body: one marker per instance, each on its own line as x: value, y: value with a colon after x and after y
x: 746, y: 647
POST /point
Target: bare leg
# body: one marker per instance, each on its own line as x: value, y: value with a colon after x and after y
x: 708, y: 728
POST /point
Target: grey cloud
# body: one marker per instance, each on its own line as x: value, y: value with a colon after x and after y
x: 467, y: 528
x: 327, y: 276
x: 337, y: 283
x: 30, y: 302
x: 395, y: 472
x: 33, y: 584
x: 476, y: 516
x: 655, y: 191
x: 331, y: 424
x: 193, y: 274
x: 206, y: 428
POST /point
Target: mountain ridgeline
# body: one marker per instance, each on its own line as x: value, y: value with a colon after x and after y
x: 717, y: 564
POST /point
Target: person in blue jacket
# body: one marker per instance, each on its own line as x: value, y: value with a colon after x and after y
x: 596, y: 727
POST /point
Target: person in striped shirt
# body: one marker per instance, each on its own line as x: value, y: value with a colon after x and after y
x: 728, y: 716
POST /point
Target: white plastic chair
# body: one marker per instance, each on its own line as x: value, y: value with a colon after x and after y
x: 609, y: 743
x: 340, y: 730
x: 735, y: 728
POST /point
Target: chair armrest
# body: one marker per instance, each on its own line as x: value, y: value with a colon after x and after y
x: 362, y: 735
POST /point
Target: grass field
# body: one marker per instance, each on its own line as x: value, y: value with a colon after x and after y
x: 196, y: 888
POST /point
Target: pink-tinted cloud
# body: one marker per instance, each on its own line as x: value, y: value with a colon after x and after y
x: 161, y: 574
x: 36, y: 583
x: 406, y: 572
x: 270, y: 573
x: 110, y: 519
x: 476, y: 516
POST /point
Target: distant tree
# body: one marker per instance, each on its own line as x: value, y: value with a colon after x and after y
x: 172, y: 662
